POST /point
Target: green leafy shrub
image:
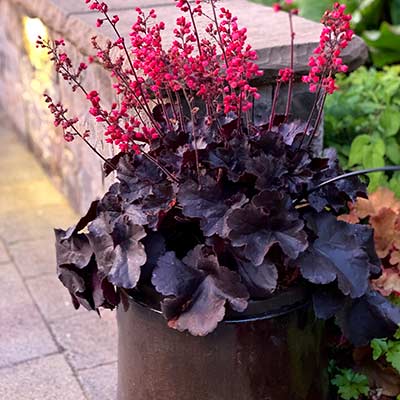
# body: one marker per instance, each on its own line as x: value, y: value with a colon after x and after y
x: 351, y: 385
x: 362, y: 122
x: 390, y: 349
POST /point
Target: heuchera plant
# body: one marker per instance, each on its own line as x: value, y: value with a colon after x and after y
x: 382, y: 211
x: 210, y: 209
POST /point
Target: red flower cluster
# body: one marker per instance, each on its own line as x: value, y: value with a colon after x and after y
x: 326, y: 60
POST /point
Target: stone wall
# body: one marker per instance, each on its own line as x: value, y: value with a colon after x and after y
x: 24, y: 76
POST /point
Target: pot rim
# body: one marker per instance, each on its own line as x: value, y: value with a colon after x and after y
x: 277, y: 305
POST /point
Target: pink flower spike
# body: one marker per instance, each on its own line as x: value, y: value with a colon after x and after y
x: 276, y: 7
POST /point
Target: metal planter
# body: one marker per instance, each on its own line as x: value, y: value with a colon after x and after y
x: 272, y: 352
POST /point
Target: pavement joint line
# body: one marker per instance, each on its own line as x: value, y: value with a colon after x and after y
x: 105, y: 364
x: 38, y: 276
x: 18, y: 363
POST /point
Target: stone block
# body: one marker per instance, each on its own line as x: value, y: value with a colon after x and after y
x: 48, y: 378
x: 100, y: 383
x: 88, y: 340
x: 24, y: 335
x: 34, y: 258
x: 51, y: 297
x: 25, y: 224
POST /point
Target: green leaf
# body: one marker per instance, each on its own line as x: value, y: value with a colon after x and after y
x: 379, y: 348
x: 368, y: 14
x: 382, y: 57
x: 386, y: 38
x: 397, y: 334
x: 351, y: 385
x: 394, y: 186
x: 395, y: 11
x: 393, y: 150
x: 393, y: 355
x: 313, y: 9
x: 390, y: 121
x: 356, y: 149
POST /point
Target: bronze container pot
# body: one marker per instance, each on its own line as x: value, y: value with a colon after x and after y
x: 271, y: 352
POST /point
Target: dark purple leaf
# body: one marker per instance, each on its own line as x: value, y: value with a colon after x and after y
x: 201, y: 288
x: 102, y: 243
x: 336, y: 255
x: 267, y: 169
x: 371, y: 316
x: 337, y: 194
x: 75, y: 250
x: 289, y: 131
x: 209, y: 203
x: 172, y: 277
x: 327, y: 301
x: 129, y: 256
x: 260, y: 280
x: 270, y: 219
x: 231, y: 159
x: 154, y: 245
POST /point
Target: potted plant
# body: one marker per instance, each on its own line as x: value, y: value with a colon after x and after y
x: 227, y: 228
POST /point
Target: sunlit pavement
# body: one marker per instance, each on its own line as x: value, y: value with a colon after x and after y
x: 47, y: 349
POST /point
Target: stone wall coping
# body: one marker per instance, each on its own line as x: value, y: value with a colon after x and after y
x: 268, y: 31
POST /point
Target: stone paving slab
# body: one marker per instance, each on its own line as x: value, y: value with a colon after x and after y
x: 42, y: 257
x: 88, y: 341
x: 23, y: 334
x: 44, y: 288
x: 24, y: 225
x: 48, y: 378
x: 43, y: 340
x: 100, y: 383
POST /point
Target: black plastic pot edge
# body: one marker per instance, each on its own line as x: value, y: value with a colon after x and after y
x: 275, y: 306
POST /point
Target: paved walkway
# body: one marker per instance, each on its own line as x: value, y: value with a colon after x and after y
x: 48, y: 351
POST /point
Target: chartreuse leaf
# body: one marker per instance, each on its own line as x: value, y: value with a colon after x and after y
x: 351, y: 385
x: 379, y: 347
x: 390, y: 121
x: 388, y: 348
x: 393, y: 150
x: 356, y: 149
x: 393, y: 354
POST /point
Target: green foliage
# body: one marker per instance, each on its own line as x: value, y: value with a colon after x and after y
x: 362, y: 120
x: 351, y: 385
x: 390, y: 349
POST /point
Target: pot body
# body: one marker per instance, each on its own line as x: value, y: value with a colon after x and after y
x: 277, y: 358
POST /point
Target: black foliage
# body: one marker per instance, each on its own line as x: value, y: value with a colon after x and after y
x: 368, y: 317
x: 208, y: 224
x: 200, y: 288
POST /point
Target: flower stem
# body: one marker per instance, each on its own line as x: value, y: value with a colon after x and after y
x: 291, y: 82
